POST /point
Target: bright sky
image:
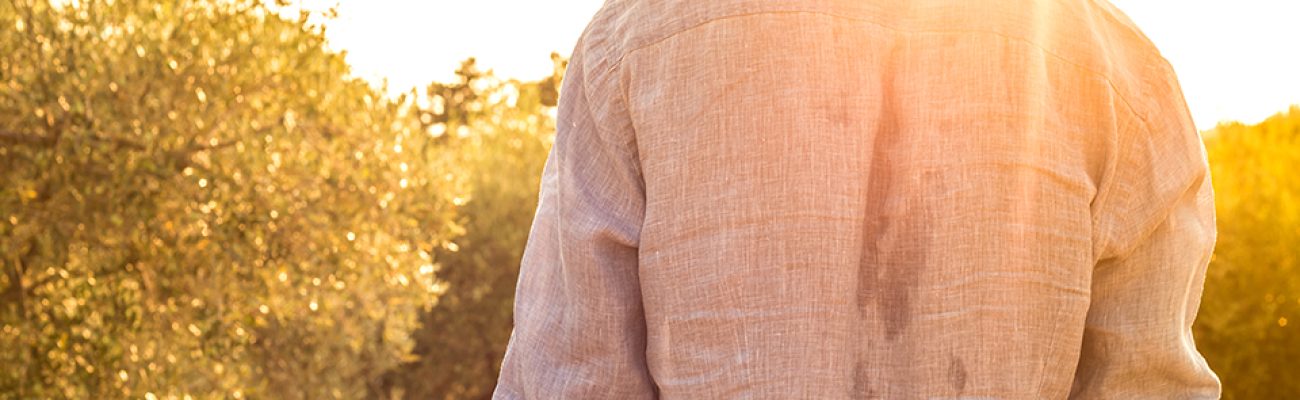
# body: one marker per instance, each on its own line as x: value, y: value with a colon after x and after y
x: 1237, y: 60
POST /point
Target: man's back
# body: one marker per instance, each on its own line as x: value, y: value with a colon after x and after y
x: 866, y: 199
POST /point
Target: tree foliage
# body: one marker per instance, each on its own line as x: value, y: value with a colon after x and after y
x: 502, y: 146
x: 1249, y: 324
x: 198, y: 200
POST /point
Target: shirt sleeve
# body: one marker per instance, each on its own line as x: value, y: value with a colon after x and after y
x: 579, y: 323
x: 1156, y: 231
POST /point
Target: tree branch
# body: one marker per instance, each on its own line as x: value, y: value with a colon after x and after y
x: 47, y: 141
x: 25, y: 138
x: 123, y: 142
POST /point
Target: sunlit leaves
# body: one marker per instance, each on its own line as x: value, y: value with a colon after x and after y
x: 185, y: 212
x: 501, y: 139
x: 1252, y: 293
x: 197, y: 201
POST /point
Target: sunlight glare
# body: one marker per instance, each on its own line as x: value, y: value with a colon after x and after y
x: 1204, y: 40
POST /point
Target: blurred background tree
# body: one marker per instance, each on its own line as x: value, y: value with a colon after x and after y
x: 1249, y: 324
x: 503, y: 134
x: 199, y: 200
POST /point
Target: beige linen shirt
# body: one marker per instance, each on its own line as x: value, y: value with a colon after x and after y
x: 832, y: 199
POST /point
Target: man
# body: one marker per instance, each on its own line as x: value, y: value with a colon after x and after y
x: 866, y: 199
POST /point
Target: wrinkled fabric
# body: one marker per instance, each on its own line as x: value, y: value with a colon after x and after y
x: 865, y: 199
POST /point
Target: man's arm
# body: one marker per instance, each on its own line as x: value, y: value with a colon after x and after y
x: 579, y: 325
x: 1156, y: 231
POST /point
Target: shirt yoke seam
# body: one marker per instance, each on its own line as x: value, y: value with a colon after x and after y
x: 1104, y: 189
x: 1109, y: 82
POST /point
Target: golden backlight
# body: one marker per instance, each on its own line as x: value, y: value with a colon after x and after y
x: 1236, y: 59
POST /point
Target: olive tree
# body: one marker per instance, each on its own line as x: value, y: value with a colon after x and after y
x: 198, y: 199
